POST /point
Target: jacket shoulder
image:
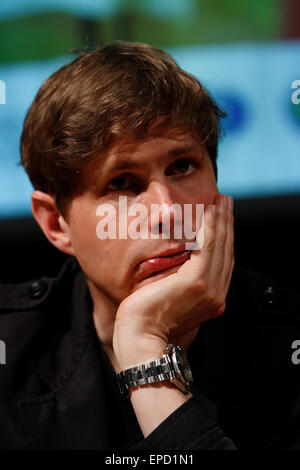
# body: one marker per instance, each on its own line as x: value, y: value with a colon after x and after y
x: 264, y: 293
x: 26, y: 295
x: 30, y: 294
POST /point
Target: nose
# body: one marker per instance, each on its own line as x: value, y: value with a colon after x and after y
x: 165, y: 214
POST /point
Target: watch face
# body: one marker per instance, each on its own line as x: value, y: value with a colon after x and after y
x: 183, y: 366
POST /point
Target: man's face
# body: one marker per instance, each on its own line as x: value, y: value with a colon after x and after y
x: 171, y: 169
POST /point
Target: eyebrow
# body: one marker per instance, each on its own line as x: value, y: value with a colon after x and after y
x: 124, y: 163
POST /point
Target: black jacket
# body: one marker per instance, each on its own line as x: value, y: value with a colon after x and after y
x: 58, y: 391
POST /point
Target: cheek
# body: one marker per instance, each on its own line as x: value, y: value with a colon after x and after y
x: 90, y: 242
x: 206, y: 190
x: 85, y: 232
x: 201, y: 193
x: 83, y: 223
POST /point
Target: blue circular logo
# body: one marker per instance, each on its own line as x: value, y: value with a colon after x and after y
x: 236, y: 110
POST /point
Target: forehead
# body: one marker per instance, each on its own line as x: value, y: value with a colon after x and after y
x: 132, y: 151
x: 128, y: 153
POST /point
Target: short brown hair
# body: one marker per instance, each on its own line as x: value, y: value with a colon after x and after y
x: 117, y: 90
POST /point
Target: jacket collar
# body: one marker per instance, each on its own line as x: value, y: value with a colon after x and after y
x: 68, y: 326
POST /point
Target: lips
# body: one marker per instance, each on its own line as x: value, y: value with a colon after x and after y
x: 164, y: 260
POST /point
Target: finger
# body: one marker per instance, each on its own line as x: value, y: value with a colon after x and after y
x: 221, y: 263
x: 218, y: 258
x: 229, y: 251
x: 197, y: 267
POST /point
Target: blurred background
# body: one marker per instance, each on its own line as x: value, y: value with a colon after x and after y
x: 247, y: 53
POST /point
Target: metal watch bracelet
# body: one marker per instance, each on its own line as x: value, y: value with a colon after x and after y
x: 147, y: 373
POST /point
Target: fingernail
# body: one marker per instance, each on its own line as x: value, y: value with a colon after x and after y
x: 225, y: 202
x: 230, y: 202
x: 214, y: 211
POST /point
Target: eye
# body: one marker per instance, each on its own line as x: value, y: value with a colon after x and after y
x: 181, y: 166
x: 122, y: 183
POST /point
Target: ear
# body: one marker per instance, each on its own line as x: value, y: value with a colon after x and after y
x: 51, y: 221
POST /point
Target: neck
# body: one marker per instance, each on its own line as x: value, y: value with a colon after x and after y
x: 104, y: 314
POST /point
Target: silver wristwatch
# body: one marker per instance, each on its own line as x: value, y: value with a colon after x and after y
x: 172, y: 367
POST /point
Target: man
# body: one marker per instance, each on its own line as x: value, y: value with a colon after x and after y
x: 125, y: 124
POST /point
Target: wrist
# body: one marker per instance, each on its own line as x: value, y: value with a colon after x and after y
x: 154, y: 403
x: 132, y: 348
x: 131, y: 353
